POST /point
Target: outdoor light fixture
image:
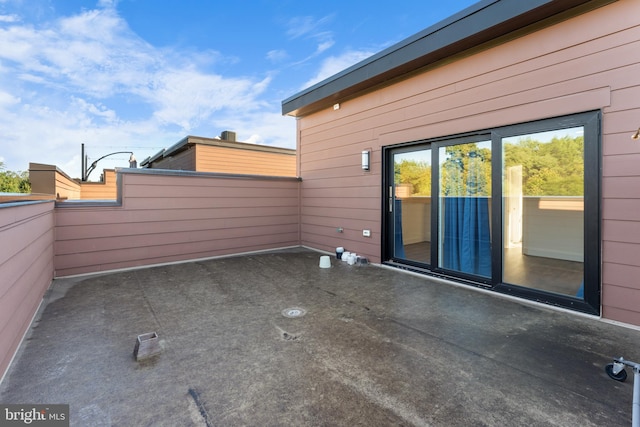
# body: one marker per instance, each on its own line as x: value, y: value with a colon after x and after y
x: 87, y: 170
x: 366, y: 160
x: 336, y: 106
x: 636, y: 135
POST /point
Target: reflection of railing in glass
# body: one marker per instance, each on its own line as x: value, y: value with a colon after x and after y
x: 412, y: 185
x: 549, y: 189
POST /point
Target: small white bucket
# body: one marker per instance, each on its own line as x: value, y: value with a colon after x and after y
x: 325, y: 261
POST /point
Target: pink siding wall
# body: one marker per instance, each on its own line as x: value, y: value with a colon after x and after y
x: 26, y: 269
x: 588, y: 62
x: 172, y: 217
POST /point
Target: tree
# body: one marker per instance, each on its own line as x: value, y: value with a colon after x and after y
x: 466, y: 171
x: 555, y: 168
x: 416, y: 173
x: 14, y: 182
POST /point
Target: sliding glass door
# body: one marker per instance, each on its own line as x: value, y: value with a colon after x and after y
x: 514, y: 208
x: 464, y: 237
x: 543, y: 210
x: 410, y: 205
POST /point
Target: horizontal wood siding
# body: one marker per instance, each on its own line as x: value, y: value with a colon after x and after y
x: 26, y: 269
x: 589, y: 62
x: 167, y: 218
x: 240, y: 161
x: 103, y: 190
x: 47, y: 179
x: 185, y: 160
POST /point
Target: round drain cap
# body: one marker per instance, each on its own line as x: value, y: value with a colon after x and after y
x: 294, y: 312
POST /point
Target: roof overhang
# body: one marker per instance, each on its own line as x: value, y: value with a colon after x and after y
x: 190, y: 141
x: 476, y: 25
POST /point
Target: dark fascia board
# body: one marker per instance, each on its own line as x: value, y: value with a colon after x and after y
x: 174, y: 172
x: 215, y: 142
x: 480, y: 23
x: 190, y: 140
x: 165, y: 152
x: 176, y: 148
x: 146, y: 162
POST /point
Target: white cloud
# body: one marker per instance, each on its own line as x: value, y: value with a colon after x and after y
x: 9, y: 18
x: 8, y: 100
x: 324, y: 46
x: 335, y: 64
x: 65, y: 84
x: 277, y: 55
x: 311, y: 28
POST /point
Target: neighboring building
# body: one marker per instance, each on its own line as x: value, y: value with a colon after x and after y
x: 500, y: 153
x: 224, y: 155
x: 192, y: 153
x: 49, y: 179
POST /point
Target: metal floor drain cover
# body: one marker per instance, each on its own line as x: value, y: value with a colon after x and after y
x: 294, y: 312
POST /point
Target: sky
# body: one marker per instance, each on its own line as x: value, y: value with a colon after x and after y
x: 140, y: 75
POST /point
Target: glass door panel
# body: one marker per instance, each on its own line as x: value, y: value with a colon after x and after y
x: 411, y: 195
x: 464, y: 203
x: 543, y: 211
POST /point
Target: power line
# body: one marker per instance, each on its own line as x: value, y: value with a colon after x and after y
x: 128, y: 146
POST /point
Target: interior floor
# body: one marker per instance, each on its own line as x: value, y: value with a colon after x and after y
x: 548, y: 274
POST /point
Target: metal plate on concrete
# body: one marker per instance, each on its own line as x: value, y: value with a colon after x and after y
x: 294, y: 312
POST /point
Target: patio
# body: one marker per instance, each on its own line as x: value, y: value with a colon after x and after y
x: 375, y: 347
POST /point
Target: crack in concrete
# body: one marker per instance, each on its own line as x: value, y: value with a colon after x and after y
x: 200, y: 405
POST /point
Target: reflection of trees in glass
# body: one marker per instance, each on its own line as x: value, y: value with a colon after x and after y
x: 466, y: 171
x: 554, y: 168
x: 416, y: 173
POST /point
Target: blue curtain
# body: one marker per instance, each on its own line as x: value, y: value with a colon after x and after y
x: 467, y: 240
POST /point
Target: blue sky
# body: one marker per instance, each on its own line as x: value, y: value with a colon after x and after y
x: 139, y: 75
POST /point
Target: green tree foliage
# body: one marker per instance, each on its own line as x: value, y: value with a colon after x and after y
x: 555, y: 168
x: 466, y: 171
x: 14, y: 182
x: 416, y: 173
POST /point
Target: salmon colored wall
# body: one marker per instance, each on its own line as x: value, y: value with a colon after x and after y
x: 26, y: 269
x: 176, y: 216
x: 589, y: 62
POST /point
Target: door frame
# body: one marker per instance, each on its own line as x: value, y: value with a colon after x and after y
x: 591, y: 122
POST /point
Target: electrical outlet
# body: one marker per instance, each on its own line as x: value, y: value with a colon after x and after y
x: 366, y: 233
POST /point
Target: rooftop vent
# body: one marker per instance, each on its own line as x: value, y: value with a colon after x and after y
x: 227, y: 135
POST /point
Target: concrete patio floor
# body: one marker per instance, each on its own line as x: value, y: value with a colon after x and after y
x: 376, y: 347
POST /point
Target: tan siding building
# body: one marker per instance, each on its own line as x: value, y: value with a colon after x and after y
x: 48, y: 179
x: 200, y: 154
